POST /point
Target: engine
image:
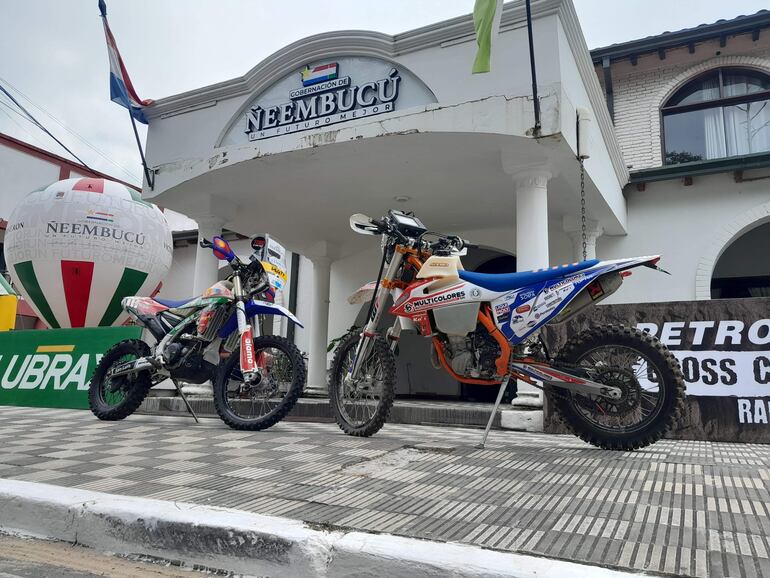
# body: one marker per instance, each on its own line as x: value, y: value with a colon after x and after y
x: 473, y: 355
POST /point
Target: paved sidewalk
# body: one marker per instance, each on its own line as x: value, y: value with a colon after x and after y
x: 681, y: 507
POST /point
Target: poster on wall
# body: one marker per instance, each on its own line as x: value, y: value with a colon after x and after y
x: 723, y: 346
x: 53, y: 368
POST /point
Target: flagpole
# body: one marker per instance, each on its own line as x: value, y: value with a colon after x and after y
x: 535, y: 100
x: 147, y: 174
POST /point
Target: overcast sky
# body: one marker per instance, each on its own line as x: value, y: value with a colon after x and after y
x: 53, y: 51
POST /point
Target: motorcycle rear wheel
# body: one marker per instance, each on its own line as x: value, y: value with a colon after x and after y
x: 112, y: 399
x: 362, y: 408
x: 643, y: 368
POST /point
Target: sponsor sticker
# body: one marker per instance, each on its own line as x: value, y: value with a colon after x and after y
x: 523, y: 308
x: 441, y: 299
x: 595, y: 290
x: 502, y: 308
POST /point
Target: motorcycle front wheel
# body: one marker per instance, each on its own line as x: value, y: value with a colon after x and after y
x: 263, y: 402
x: 115, y: 398
x: 361, y: 406
x: 646, y: 372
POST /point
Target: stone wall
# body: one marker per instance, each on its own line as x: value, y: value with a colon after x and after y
x: 724, y: 349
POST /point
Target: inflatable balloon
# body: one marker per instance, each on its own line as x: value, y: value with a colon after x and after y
x: 77, y: 247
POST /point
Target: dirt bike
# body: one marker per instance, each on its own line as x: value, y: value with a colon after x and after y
x: 615, y: 387
x: 257, y: 379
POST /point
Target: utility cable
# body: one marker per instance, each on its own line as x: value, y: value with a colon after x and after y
x: 69, y: 130
x: 41, y: 127
x: 6, y: 109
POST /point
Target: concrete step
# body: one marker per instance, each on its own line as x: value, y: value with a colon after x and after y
x: 406, y: 411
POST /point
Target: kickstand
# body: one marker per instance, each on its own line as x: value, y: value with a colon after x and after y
x: 184, y: 399
x: 500, y: 393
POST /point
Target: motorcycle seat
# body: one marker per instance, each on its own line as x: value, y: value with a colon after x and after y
x: 172, y: 303
x: 508, y: 281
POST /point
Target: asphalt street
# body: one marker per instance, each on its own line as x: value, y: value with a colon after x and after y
x: 32, y: 558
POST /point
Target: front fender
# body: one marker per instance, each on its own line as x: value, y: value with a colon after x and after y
x: 254, y: 308
x: 363, y: 294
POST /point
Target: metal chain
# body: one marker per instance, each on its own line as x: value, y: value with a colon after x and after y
x: 583, y: 205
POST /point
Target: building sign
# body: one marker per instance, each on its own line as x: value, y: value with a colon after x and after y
x: 723, y: 347
x: 53, y: 368
x: 325, y: 93
x: 324, y: 99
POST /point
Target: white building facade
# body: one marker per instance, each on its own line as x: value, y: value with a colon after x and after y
x: 400, y: 122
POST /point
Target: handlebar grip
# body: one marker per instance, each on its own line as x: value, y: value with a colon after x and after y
x: 381, y: 224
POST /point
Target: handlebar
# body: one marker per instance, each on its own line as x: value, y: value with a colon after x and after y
x: 206, y: 244
x: 449, y: 242
x: 443, y: 243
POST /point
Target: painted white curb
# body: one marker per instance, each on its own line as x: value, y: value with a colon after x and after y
x: 522, y: 420
x: 251, y: 544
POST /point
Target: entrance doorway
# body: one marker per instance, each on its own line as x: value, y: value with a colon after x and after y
x: 743, y: 270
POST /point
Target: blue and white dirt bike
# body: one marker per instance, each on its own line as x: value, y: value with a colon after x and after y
x: 257, y: 379
x: 615, y: 387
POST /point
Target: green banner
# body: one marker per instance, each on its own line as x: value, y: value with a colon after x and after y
x: 53, y: 367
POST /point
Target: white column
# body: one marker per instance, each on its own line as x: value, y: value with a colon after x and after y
x: 206, y: 269
x: 531, y: 247
x: 573, y: 226
x: 531, y: 219
x: 319, y: 324
x: 206, y: 264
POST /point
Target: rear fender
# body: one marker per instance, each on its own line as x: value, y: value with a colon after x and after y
x: 624, y: 264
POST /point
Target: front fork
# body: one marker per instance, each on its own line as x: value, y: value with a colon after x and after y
x: 245, y: 330
x: 369, y: 332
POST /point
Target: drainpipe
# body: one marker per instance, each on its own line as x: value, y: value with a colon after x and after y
x: 608, y: 92
x: 535, y: 101
x: 293, y: 287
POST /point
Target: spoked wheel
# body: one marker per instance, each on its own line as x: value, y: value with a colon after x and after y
x: 265, y: 400
x: 645, y: 371
x: 114, y: 398
x: 361, y: 406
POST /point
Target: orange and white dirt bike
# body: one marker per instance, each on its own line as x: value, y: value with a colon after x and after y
x: 615, y: 387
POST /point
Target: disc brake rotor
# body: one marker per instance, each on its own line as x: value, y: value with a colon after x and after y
x: 620, y: 378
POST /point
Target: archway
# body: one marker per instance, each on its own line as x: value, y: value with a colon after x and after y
x: 723, y: 238
x: 743, y: 269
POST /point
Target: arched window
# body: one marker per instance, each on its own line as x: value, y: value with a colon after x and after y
x: 723, y: 113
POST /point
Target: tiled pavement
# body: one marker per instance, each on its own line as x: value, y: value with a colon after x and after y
x: 678, y: 507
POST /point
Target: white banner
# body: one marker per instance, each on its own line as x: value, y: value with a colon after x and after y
x: 726, y: 373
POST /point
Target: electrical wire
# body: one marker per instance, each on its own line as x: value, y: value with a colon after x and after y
x: 69, y: 130
x: 20, y: 127
x: 41, y: 127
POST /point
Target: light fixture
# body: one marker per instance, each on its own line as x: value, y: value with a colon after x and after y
x: 402, y: 198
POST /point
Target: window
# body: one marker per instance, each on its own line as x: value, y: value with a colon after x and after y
x: 723, y: 113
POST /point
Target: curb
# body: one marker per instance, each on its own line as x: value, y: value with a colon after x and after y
x: 251, y: 544
x: 403, y: 413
